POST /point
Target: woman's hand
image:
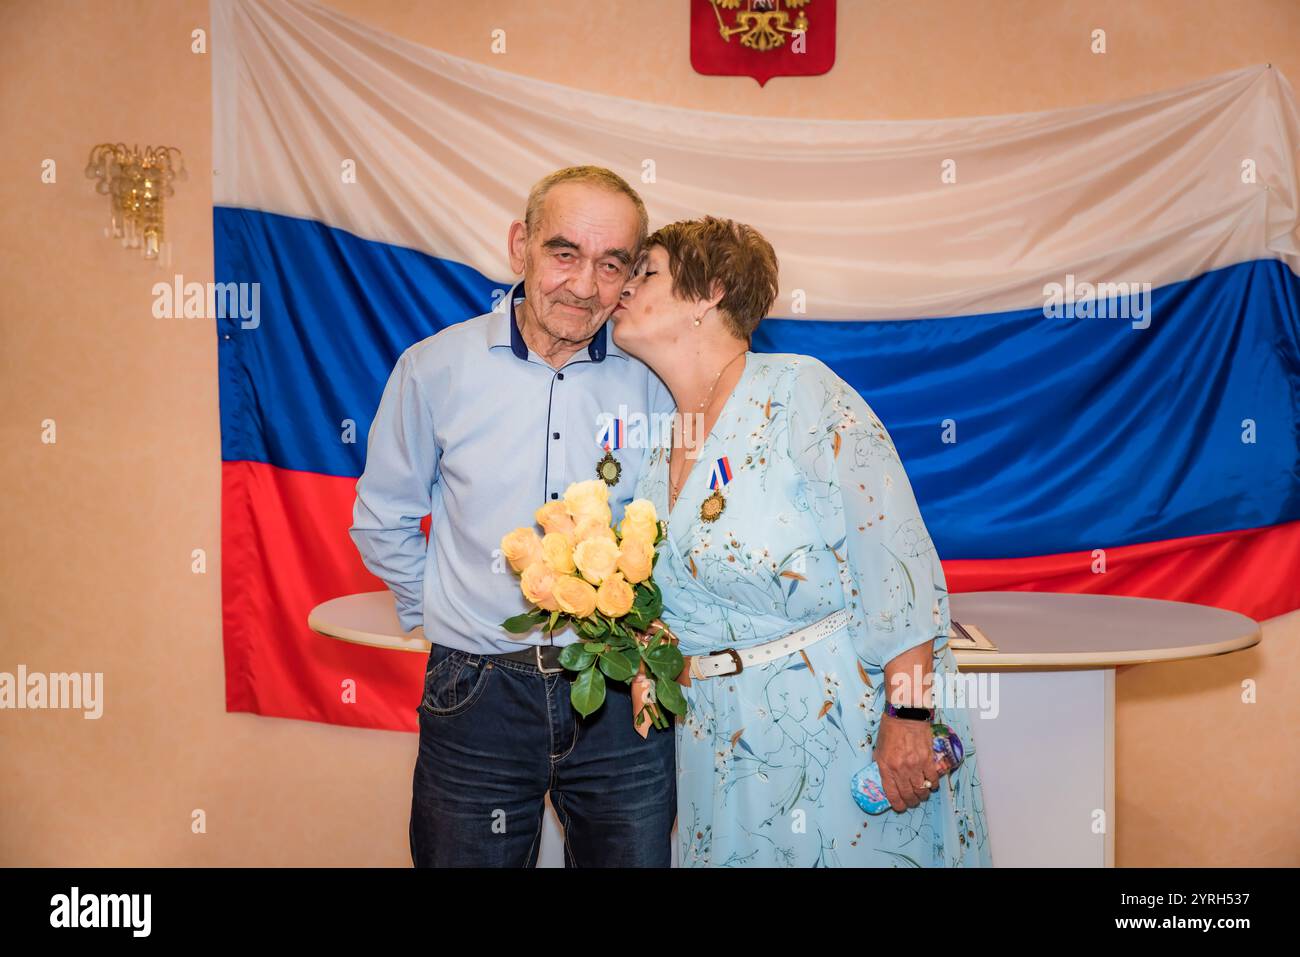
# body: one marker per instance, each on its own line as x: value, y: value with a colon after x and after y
x: 904, y: 752
x: 904, y: 749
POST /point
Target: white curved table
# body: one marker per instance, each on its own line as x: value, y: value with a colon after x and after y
x: 369, y: 618
x: 1044, y: 726
x: 1047, y: 747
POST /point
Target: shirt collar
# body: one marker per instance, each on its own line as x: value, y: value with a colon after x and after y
x: 504, y: 331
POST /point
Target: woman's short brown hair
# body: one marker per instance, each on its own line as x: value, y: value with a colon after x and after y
x: 704, y: 253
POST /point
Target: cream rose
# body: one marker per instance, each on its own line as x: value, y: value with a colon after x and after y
x: 596, y: 558
x: 574, y: 596
x: 593, y: 528
x: 521, y: 548
x: 557, y: 551
x: 635, y: 559
x: 536, y: 583
x: 554, y: 517
x: 588, y: 500
x: 641, y: 511
x: 640, y: 520
x: 614, y: 597
x: 645, y: 531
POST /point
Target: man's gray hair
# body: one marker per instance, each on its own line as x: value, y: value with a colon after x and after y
x: 595, y: 175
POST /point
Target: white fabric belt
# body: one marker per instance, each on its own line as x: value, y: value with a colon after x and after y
x: 729, y: 661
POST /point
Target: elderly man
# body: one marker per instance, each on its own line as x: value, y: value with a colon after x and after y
x: 479, y: 425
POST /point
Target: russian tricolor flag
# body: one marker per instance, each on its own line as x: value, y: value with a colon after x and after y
x: 721, y: 473
x: 1081, y: 327
x: 614, y: 435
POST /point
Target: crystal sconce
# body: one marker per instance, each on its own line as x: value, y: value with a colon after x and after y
x: 136, y: 182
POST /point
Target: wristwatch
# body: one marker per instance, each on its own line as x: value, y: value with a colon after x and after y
x: 910, y: 714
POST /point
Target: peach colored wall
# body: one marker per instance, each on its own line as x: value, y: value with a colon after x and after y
x: 100, y: 526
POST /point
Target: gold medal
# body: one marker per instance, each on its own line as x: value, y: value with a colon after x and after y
x: 712, y: 506
x: 608, y: 470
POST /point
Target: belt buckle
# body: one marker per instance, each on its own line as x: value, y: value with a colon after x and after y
x: 735, y: 656
x: 541, y: 666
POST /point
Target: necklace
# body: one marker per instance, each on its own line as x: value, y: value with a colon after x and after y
x: 677, y: 485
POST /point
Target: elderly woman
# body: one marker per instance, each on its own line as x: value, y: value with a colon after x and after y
x: 800, y: 580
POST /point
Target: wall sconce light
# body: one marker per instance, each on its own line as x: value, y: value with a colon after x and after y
x: 136, y: 182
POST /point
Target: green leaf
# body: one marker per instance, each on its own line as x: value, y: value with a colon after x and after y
x: 525, y: 622
x: 632, y: 655
x: 649, y: 601
x: 638, y: 619
x: 575, y: 657
x: 664, y: 660
x: 656, y: 608
x: 623, y: 642
x: 554, y: 617
x: 646, y: 607
x: 618, y: 665
x: 588, y: 691
x: 669, y: 695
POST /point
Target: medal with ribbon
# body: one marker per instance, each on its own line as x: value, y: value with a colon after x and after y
x: 713, y: 506
x: 608, y: 469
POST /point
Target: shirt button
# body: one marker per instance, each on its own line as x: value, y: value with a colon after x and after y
x: 559, y: 375
x: 555, y: 495
x: 555, y: 435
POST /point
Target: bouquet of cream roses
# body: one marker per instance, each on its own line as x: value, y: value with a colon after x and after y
x: 583, y: 572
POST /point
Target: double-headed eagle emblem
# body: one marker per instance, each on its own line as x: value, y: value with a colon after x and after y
x: 763, y: 24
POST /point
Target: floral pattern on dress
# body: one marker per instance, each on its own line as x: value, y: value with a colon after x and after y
x: 819, y: 516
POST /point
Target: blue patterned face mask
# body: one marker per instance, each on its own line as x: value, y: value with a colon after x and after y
x: 869, y: 793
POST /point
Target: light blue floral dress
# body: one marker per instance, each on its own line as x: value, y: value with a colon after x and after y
x: 819, y: 516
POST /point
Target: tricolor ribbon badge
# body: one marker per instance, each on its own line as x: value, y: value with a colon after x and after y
x: 716, y: 503
x: 614, y: 436
x: 721, y: 473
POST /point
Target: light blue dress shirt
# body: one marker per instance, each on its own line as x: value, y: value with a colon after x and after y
x: 479, y: 431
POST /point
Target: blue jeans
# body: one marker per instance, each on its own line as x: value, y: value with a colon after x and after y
x: 496, y: 735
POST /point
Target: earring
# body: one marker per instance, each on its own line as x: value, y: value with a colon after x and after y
x: 697, y: 320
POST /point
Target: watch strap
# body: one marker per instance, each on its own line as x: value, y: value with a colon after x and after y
x: 910, y: 714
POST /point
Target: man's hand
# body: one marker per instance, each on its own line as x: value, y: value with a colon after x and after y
x: 643, y: 683
x: 904, y: 752
x: 642, y: 686
x: 658, y: 628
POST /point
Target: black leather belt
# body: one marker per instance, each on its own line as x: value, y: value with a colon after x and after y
x: 546, y: 658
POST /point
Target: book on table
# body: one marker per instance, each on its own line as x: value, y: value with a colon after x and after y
x: 966, y: 637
